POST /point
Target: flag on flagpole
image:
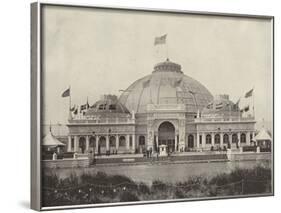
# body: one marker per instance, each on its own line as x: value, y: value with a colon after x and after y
x: 83, y: 107
x: 247, y: 108
x: 249, y: 93
x: 160, y: 40
x: 219, y: 105
x: 66, y: 93
x: 236, y: 105
x: 73, y: 108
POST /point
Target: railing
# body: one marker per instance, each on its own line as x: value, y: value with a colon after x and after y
x: 224, y: 119
x: 98, y: 120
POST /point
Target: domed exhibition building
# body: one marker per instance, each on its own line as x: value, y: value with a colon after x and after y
x: 166, y: 109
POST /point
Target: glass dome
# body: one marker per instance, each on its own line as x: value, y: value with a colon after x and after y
x: 108, y: 105
x: 166, y: 85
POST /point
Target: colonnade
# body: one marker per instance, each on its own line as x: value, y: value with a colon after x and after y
x: 96, y: 142
x: 224, y: 138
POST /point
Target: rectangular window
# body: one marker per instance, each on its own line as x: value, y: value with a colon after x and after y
x: 200, y: 139
x: 72, y: 143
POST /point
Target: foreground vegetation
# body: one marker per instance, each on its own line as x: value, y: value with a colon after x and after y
x: 102, y: 188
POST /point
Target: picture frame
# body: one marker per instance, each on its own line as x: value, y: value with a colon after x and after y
x: 164, y: 123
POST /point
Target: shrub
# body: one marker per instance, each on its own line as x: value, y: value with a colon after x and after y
x: 103, y: 188
x: 158, y: 185
x: 128, y: 196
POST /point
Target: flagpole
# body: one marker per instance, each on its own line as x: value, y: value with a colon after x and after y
x: 167, y: 52
x: 254, y: 102
x: 238, y: 107
x: 69, y: 99
x: 70, y: 116
x: 229, y: 108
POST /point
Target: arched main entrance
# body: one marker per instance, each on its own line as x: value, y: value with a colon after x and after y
x: 166, y: 135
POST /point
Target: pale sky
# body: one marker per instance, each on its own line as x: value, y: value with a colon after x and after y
x: 99, y: 51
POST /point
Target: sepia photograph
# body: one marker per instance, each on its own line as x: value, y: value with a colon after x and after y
x: 147, y: 106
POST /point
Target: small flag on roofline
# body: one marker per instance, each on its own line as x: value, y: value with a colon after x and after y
x: 247, y: 108
x: 160, y: 39
x: 73, y: 108
x: 66, y: 93
x: 249, y: 94
x: 219, y: 105
x: 83, y: 107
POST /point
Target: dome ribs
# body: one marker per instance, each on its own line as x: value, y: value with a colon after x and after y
x: 166, y: 85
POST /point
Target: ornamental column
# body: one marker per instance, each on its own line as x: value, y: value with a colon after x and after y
x: 239, y: 137
x: 133, y: 141
x: 221, y: 139
x: 117, y: 142
x: 127, y: 142
x: 157, y: 142
x: 203, y: 140
x: 230, y: 140
x: 176, y: 142
x: 253, y: 135
x: 75, y: 143
x: 87, y: 143
x: 248, y: 138
x: 213, y: 139
x: 97, y: 144
x: 69, y: 144
x: 107, y: 142
x: 198, y: 140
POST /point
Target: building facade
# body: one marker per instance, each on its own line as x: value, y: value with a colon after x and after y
x: 164, y: 108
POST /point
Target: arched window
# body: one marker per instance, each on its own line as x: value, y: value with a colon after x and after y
x: 243, y: 138
x: 122, y: 141
x: 102, y: 141
x: 112, y: 141
x: 82, y: 144
x: 92, y: 142
x: 190, y: 141
x: 208, y: 139
x: 217, y: 139
x: 225, y: 138
x: 141, y: 140
x: 234, y: 138
x: 131, y: 141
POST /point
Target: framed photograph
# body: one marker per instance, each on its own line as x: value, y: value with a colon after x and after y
x: 136, y: 106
